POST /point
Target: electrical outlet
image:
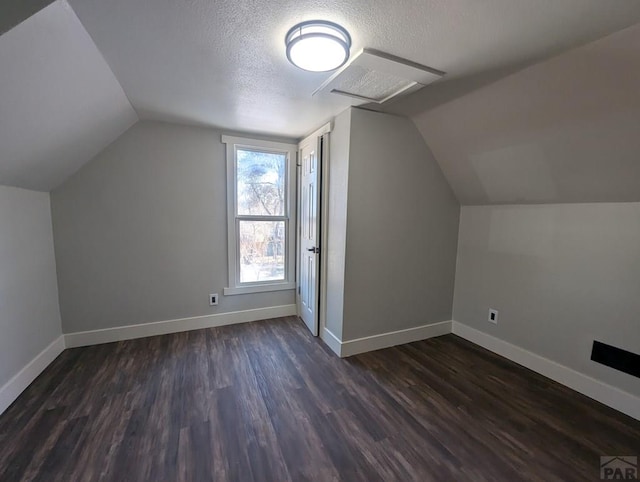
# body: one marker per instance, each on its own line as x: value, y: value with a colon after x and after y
x: 213, y: 299
x: 493, y: 316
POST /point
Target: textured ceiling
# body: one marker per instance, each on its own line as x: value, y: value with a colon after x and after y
x: 564, y: 130
x: 60, y: 104
x: 222, y: 62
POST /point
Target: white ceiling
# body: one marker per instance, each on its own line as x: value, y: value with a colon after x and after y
x: 223, y: 63
x: 60, y: 104
x: 564, y: 130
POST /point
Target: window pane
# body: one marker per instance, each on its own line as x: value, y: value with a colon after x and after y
x: 261, y: 183
x: 262, y: 251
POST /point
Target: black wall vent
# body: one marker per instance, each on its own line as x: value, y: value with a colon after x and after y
x: 617, y: 358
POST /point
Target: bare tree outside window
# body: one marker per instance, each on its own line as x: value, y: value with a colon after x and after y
x: 260, y: 187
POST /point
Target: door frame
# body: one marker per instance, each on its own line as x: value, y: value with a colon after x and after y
x: 323, y: 173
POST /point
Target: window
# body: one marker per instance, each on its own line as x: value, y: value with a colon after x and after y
x: 259, y: 206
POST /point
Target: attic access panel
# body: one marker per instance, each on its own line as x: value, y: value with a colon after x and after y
x: 374, y: 76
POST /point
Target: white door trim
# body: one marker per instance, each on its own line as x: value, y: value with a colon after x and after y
x: 317, y: 138
x: 324, y: 228
x: 325, y: 129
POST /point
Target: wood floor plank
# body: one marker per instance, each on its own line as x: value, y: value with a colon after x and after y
x: 60, y: 456
x: 266, y: 401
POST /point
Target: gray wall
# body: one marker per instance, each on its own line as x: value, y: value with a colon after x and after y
x: 401, y: 232
x: 335, y: 251
x: 141, y: 232
x: 560, y: 275
x: 29, y: 313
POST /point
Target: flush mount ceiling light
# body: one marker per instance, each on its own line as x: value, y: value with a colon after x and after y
x: 318, y: 45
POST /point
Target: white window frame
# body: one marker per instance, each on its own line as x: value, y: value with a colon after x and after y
x: 235, y: 286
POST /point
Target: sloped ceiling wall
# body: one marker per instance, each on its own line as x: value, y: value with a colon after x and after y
x: 559, y: 131
x: 564, y: 130
x: 13, y: 12
x: 60, y: 103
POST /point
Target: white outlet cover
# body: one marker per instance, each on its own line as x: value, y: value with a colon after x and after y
x: 213, y: 299
x: 493, y: 319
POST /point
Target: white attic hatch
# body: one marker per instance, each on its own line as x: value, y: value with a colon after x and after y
x: 377, y: 77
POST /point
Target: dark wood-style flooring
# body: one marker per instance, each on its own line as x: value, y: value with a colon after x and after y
x: 266, y: 401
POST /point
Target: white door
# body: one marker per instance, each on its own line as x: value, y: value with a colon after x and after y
x: 308, y: 242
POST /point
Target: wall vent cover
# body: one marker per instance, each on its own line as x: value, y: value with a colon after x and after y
x: 617, y: 358
x: 374, y: 76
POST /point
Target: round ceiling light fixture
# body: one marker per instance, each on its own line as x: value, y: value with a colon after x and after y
x: 318, y: 45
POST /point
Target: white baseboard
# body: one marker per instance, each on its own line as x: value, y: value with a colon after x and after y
x: 331, y: 340
x: 600, y: 391
x: 592, y: 388
x: 129, y: 332
x: 384, y: 340
x: 393, y: 338
x: 14, y: 387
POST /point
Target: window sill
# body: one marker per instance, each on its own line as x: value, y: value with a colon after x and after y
x: 244, y: 290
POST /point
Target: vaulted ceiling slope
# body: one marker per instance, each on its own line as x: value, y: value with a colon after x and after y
x: 60, y: 104
x: 564, y: 130
x: 222, y: 62
x: 13, y: 12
